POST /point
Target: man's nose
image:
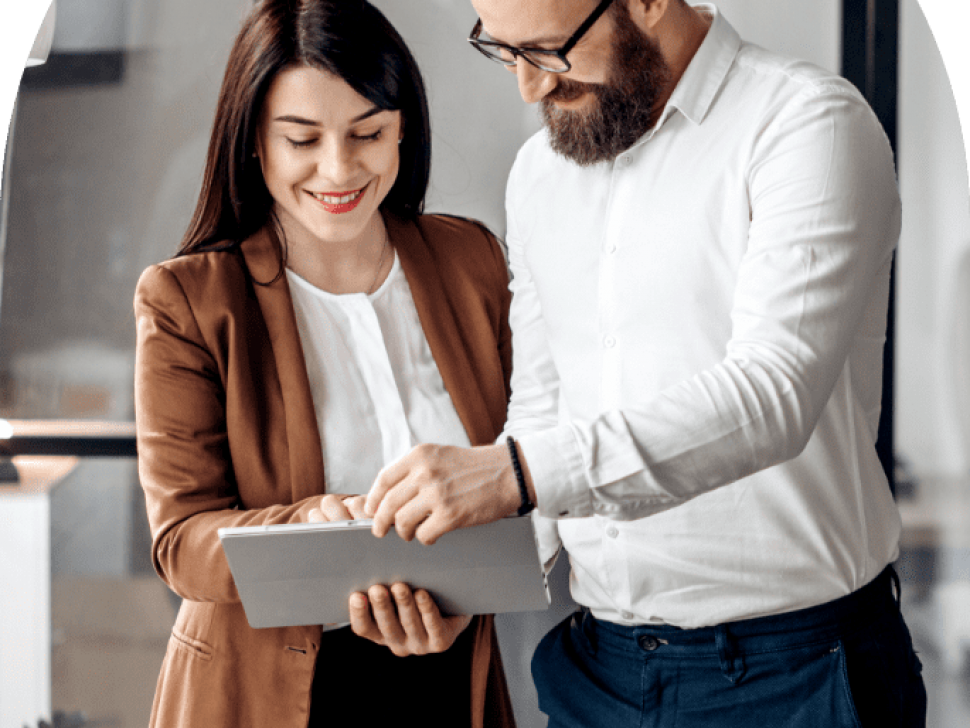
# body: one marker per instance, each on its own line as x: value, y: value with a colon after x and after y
x: 534, y: 83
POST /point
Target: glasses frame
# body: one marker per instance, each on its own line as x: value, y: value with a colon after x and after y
x: 482, y: 45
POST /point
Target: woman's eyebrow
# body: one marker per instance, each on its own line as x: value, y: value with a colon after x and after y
x: 368, y: 114
x: 292, y: 119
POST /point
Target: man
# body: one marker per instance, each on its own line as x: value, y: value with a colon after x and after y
x: 700, y: 241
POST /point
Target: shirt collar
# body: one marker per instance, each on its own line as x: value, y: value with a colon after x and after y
x: 705, y: 74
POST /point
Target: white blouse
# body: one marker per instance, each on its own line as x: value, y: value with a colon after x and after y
x: 376, y: 388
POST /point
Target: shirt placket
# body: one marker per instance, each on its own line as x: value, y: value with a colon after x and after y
x: 610, y: 339
x: 611, y: 344
x: 378, y: 376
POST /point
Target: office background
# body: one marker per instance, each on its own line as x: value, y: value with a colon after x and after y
x: 104, y: 165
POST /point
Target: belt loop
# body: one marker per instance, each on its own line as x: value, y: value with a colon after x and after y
x: 732, y: 665
x: 898, y: 592
x: 588, y: 626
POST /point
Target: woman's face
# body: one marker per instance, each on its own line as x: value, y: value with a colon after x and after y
x: 329, y: 156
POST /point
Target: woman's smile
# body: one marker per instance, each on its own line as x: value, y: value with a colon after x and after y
x: 338, y: 203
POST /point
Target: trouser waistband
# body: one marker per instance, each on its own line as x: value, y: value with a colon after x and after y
x: 858, y: 610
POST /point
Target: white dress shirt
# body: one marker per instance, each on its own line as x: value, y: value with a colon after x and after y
x: 698, y: 330
x: 377, y: 391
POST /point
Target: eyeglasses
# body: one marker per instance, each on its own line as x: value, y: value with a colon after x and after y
x: 542, y: 58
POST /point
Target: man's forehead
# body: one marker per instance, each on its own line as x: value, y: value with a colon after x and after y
x: 518, y: 22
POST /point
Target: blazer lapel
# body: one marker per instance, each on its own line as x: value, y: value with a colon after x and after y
x: 441, y: 329
x: 302, y: 434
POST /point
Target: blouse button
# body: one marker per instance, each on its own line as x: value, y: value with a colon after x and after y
x: 609, y: 342
x: 612, y: 532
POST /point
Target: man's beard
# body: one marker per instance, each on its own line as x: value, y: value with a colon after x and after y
x: 623, y: 110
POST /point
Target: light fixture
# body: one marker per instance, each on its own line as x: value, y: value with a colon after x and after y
x: 45, y: 38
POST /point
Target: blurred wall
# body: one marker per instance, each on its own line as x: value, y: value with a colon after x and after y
x: 808, y: 30
x: 933, y: 307
x: 106, y: 177
x: 932, y: 408
x: 478, y: 119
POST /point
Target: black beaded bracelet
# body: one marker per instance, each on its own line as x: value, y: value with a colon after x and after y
x: 527, y: 505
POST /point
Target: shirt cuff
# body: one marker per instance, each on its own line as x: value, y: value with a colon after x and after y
x: 548, y: 543
x: 558, y: 474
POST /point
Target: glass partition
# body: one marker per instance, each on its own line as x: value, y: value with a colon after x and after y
x: 104, y: 162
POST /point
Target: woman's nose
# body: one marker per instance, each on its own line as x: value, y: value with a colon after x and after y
x: 336, y: 163
x: 534, y: 83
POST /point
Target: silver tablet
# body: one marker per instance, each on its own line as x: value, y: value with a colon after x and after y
x: 299, y: 574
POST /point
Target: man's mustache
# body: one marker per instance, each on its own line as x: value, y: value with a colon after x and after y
x: 568, y: 90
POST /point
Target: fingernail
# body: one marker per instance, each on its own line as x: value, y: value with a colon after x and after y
x: 358, y: 600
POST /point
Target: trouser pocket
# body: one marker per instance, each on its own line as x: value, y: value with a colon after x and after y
x: 883, y: 677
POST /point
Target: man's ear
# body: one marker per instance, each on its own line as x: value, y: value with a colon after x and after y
x: 647, y: 13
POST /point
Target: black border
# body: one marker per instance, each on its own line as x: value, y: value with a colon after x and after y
x: 870, y: 60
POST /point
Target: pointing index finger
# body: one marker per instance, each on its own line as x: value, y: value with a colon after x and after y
x: 384, y: 481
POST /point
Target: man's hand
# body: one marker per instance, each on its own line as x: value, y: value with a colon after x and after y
x: 407, y: 622
x: 435, y: 489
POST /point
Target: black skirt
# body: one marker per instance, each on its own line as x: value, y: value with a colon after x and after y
x: 359, y: 683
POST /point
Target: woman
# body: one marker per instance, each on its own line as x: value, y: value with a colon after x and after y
x: 314, y: 326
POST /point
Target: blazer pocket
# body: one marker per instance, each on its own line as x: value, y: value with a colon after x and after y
x: 193, y: 647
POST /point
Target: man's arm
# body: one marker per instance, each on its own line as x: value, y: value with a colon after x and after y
x: 450, y: 478
x: 824, y: 222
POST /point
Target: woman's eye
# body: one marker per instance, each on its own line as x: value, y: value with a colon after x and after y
x: 369, y: 137
x: 300, y: 143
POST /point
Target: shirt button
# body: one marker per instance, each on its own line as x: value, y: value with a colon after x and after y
x: 610, y: 248
x: 625, y: 160
x: 612, y: 532
x: 648, y: 642
x: 626, y: 615
x: 609, y: 342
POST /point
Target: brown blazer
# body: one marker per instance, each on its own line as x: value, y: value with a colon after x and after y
x: 227, y: 436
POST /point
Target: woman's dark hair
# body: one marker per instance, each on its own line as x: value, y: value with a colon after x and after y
x: 350, y: 39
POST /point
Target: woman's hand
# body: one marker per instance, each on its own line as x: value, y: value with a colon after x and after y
x: 407, y: 622
x: 338, y: 508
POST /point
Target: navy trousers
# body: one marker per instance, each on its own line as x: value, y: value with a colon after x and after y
x: 847, y: 663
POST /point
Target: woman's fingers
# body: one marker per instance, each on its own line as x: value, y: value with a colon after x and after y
x: 333, y: 508
x: 361, y: 620
x: 442, y: 631
x: 385, y: 616
x: 408, y: 623
x: 338, y: 508
x: 355, y: 506
x: 411, y: 618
